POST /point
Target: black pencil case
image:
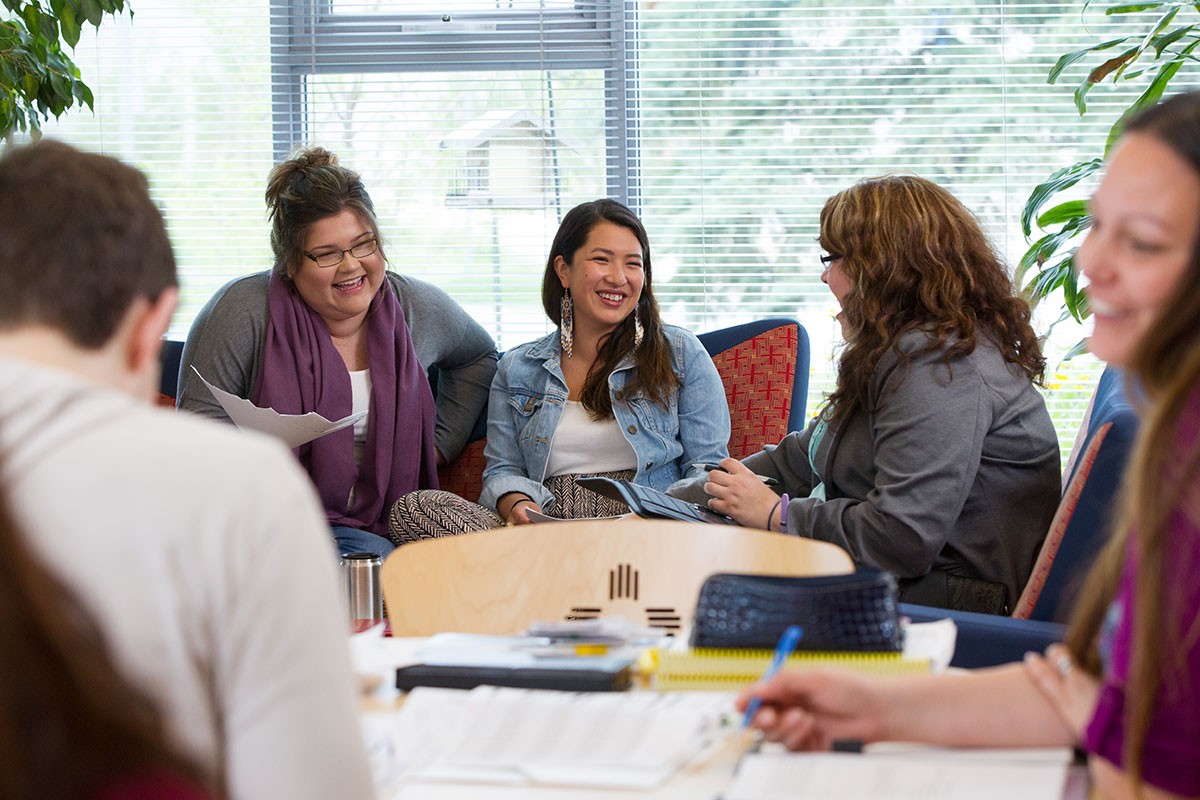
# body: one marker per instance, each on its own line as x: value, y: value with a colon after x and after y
x: 856, y: 612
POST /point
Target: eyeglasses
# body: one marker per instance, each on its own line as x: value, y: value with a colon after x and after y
x: 827, y: 260
x: 334, y: 257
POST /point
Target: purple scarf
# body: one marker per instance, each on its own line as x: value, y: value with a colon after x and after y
x: 302, y: 371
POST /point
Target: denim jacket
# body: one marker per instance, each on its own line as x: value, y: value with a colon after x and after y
x: 527, y: 401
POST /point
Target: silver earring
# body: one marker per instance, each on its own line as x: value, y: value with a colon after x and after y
x: 638, y: 331
x: 566, y: 324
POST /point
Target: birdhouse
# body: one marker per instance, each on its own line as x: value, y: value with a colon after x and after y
x: 506, y: 160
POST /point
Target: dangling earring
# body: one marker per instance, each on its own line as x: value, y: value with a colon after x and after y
x: 638, y: 331
x: 566, y: 324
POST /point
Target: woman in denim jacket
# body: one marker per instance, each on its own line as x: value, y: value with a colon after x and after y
x: 613, y: 391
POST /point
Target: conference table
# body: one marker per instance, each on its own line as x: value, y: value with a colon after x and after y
x: 736, y: 767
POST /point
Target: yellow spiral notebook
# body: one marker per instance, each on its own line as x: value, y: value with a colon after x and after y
x: 720, y: 669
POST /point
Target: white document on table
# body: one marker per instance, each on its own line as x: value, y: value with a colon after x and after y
x: 921, y: 774
x: 293, y: 429
x: 497, y: 735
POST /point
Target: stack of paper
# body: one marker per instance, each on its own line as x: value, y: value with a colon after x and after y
x: 523, y: 736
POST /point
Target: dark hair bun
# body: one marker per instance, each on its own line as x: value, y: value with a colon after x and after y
x: 284, y: 174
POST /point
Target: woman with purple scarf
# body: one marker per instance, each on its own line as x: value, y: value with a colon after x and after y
x: 329, y: 329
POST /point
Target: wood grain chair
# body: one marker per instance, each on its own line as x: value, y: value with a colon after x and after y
x: 648, y: 571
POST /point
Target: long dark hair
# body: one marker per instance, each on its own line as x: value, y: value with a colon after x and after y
x: 1159, y: 480
x: 70, y: 724
x: 654, y: 376
x: 918, y: 260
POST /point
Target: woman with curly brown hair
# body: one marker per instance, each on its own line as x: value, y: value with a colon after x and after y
x: 934, y: 457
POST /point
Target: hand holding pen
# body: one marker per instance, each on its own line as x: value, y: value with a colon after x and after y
x: 787, y: 646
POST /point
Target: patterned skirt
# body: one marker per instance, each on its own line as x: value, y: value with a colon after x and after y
x: 432, y: 513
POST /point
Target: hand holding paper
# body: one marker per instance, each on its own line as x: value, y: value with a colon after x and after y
x: 294, y: 429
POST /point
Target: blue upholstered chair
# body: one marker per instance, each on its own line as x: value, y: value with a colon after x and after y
x: 1079, y: 530
x: 169, y: 357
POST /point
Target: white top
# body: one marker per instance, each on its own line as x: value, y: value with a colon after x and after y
x: 205, y: 557
x: 360, y: 400
x: 582, y: 444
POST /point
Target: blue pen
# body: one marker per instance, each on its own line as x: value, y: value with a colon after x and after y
x: 787, y: 645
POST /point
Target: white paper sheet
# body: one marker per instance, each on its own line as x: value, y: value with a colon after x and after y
x: 294, y: 429
x: 930, y: 774
x: 632, y: 740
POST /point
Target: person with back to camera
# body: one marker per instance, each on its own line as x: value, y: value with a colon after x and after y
x: 934, y: 457
x: 612, y: 391
x: 330, y: 329
x: 71, y: 727
x: 1126, y: 686
x: 201, y: 552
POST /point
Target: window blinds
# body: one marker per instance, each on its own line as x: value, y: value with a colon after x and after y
x: 476, y: 124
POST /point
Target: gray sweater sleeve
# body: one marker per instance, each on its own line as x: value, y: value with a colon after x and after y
x: 225, y: 345
x: 786, y: 462
x: 226, y: 342
x: 447, y: 337
x: 924, y: 445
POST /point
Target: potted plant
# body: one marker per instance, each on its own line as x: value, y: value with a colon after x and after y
x: 37, y: 77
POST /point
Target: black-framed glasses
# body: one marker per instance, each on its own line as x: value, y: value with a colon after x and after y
x: 334, y: 257
x: 829, y: 259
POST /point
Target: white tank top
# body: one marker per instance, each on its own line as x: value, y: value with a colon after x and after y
x: 582, y: 444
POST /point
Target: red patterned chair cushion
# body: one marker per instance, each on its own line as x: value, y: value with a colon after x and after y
x: 464, y: 475
x: 758, y: 375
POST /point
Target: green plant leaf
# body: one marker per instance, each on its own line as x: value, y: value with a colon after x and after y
x: 1165, y: 40
x: 1061, y: 179
x: 93, y: 12
x: 1071, y: 58
x: 1062, y: 213
x: 1131, y: 8
x: 70, y: 26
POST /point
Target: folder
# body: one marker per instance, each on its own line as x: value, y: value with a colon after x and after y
x: 464, y: 661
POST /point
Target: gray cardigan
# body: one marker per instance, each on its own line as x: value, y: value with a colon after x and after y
x: 227, y: 339
x: 956, y: 470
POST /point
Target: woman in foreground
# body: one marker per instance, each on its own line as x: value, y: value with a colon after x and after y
x: 1126, y: 686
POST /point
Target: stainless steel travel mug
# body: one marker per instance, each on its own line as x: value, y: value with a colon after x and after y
x: 365, y: 594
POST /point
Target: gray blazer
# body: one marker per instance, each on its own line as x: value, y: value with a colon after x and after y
x: 957, y: 470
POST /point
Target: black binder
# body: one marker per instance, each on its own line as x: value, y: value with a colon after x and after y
x: 460, y: 676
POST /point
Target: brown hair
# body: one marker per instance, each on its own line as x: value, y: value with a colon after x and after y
x: 918, y: 260
x: 308, y: 187
x: 70, y: 724
x: 1159, y: 479
x: 654, y: 376
x: 80, y: 240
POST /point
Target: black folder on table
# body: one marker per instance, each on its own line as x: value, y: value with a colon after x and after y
x: 647, y: 502
x: 464, y: 661
x: 459, y: 676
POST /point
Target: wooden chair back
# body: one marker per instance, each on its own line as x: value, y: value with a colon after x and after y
x: 648, y: 571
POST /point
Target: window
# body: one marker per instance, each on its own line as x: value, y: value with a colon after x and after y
x: 477, y: 123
